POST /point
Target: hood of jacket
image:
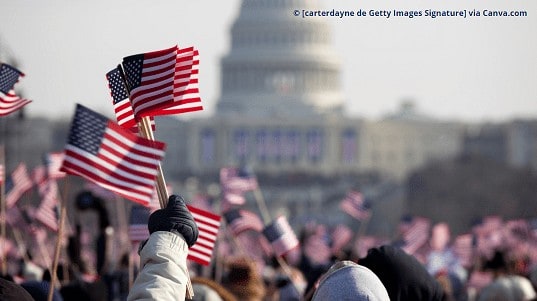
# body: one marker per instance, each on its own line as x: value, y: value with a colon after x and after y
x: 347, y: 280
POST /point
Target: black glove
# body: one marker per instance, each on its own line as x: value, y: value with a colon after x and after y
x: 175, y: 217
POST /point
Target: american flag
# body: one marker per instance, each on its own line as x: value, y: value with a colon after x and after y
x: 232, y: 179
x: 20, y: 182
x: 9, y: 101
x: 240, y: 220
x: 122, y: 105
x: 138, y: 223
x: 416, y: 235
x: 208, y: 225
x: 150, y: 77
x: 354, y: 205
x: 281, y: 236
x: 101, y: 151
x: 53, y: 161
x: 47, y: 212
x: 186, y: 97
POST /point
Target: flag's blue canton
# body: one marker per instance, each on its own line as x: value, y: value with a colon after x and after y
x: 117, y: 87
x: 87, y: 130
x: 232, y: 215
x: 273, y: 231
x: 8, y: 77
x: 139, y: 215
x: 133, y: 69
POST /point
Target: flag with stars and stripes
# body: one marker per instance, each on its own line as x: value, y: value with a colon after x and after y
x: 9, y: 101
x: 208, y: 225
x: 101, y: 151
x: 355, y: 205
x: 281, y: 236
x: 236, y: 180
x: 18, y: 184
x: 150, y: 78
x: 138, y: 223
x: 163, y: 82
x: 240, y: 220
x: 120, y: 99
x: 48, y: 211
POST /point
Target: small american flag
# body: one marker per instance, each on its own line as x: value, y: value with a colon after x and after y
x: 20, y: 182
x: 150, y: 77
x: 240, y: 220
x: 354, y: 205
x: 232, y: 179
x: 9, y: 101
x: 138, y: 223
x: 122, y: 105
x: 47, y: 212
x: 281, y: 236
x: 53, y: 161
x: 101, y: 151
x: 416, y: 235
x: 208, y: 225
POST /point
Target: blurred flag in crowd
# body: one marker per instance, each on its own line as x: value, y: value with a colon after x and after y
x: 240, y: 220
x: 416, y: 234
x: 18, y: 183
x: 355, y: 205
x: 138, y: 223
x: 237, y: 180
x: 101, y: 151
x: 281, y: 236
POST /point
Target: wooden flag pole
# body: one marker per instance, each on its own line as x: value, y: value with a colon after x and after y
x: 61, y: 222
x: 3, y: 210
x: 144, y: 129
x: 266, y: 220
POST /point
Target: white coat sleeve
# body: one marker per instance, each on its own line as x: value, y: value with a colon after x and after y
x: 163, y: 274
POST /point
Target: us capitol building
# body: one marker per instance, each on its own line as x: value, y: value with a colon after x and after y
x: 281, y: 108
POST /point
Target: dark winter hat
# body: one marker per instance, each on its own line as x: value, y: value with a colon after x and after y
x: 10, y: 291
x: 403, y: 275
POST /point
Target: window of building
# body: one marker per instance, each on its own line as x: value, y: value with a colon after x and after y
x: 348, y: 146
x: 240, y: 145
x: 208, y: 147
x: 314, y: 140
x: 261, y: 141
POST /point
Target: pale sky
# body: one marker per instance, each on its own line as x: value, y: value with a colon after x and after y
x: 472, y: 69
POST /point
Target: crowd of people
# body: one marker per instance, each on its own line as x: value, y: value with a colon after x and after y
x: 323, y: 267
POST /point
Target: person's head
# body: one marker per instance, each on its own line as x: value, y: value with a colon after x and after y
x: 206, y: 289
x: 10, y: 291
x: 404, y: 277
x: 243, y: 280
x: 346, y: 280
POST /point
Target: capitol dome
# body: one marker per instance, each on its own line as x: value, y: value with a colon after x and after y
x: 280, y: 64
